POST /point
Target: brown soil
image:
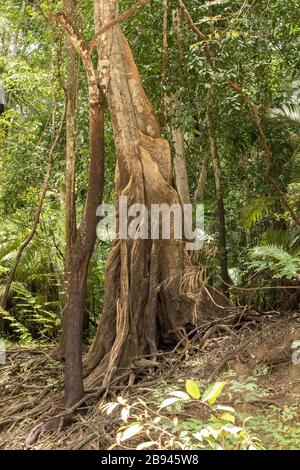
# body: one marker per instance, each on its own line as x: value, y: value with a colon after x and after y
x: 30, y: 383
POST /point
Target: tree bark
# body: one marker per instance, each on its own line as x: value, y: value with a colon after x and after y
x: 69, y: 192
x: 81, y: 254
x: 151, y: 292
x: 86, y: 234
x: 179, y: 162
x: 200, y: 191
x: 71, y: 95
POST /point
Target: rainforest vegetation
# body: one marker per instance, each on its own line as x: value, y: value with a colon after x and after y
x: 133, y: 343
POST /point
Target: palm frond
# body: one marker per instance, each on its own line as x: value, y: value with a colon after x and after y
x: 286, y: 112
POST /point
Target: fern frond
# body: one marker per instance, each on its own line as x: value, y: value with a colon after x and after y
x: 256, y: 210
x: 276, y: 260
x: 273, y: 237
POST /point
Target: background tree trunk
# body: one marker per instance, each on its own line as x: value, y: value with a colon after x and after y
x: 179, y: 162
x: 219, y: 194
x: 200, y: 190
x: 71, y: 93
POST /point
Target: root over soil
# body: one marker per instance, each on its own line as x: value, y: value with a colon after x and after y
x: 31, y: 381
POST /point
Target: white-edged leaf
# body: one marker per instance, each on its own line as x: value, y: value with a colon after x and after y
x: 121, y: 400
x: 213, y: 432
x: 131, y: 431
x: 232, y: 429
x: 168, y: 402
x: 145, y: 445
x: 180, y: 394
x: 212, y: 393
x: 111, y: 408
x: 125, y: 413
x: 201, y: 434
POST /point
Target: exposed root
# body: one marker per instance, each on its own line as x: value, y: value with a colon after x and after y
x: 31, y: 412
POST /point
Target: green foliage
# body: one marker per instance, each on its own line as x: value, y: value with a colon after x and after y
x: 278, y: 427
x: 31, y: 316
x: 256, y: 50
x: 18, y: 328
x: 287, y: 113
x: 147, y: 427
x: 256, y: 210
x: 246, y: 390
x: 275, y: 260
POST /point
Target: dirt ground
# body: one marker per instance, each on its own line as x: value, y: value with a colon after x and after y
x: 252, y: 353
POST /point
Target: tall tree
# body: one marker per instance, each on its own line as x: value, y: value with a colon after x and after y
x: 219, y: 192
x: 83, y: 247
x: 71, y: 89
x: 151, y: 292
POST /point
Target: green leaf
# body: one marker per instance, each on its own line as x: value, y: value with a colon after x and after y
x: 212, y: 393
x: 228, y: 417
x: 192, y: 388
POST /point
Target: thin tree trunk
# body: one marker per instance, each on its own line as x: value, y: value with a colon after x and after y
x: 199, y: 193
x: 15, y: 41
x: 69, y: 202
x: 219, y: 193
x: 86, y: 234
x: 179, y: 162
x: 71, y: 92
x: 81, y: 255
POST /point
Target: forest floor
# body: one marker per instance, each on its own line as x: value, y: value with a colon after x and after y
x: 253, y: 357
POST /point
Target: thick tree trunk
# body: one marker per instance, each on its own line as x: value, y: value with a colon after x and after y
x: 219, y: 194
x: 151, y: 290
